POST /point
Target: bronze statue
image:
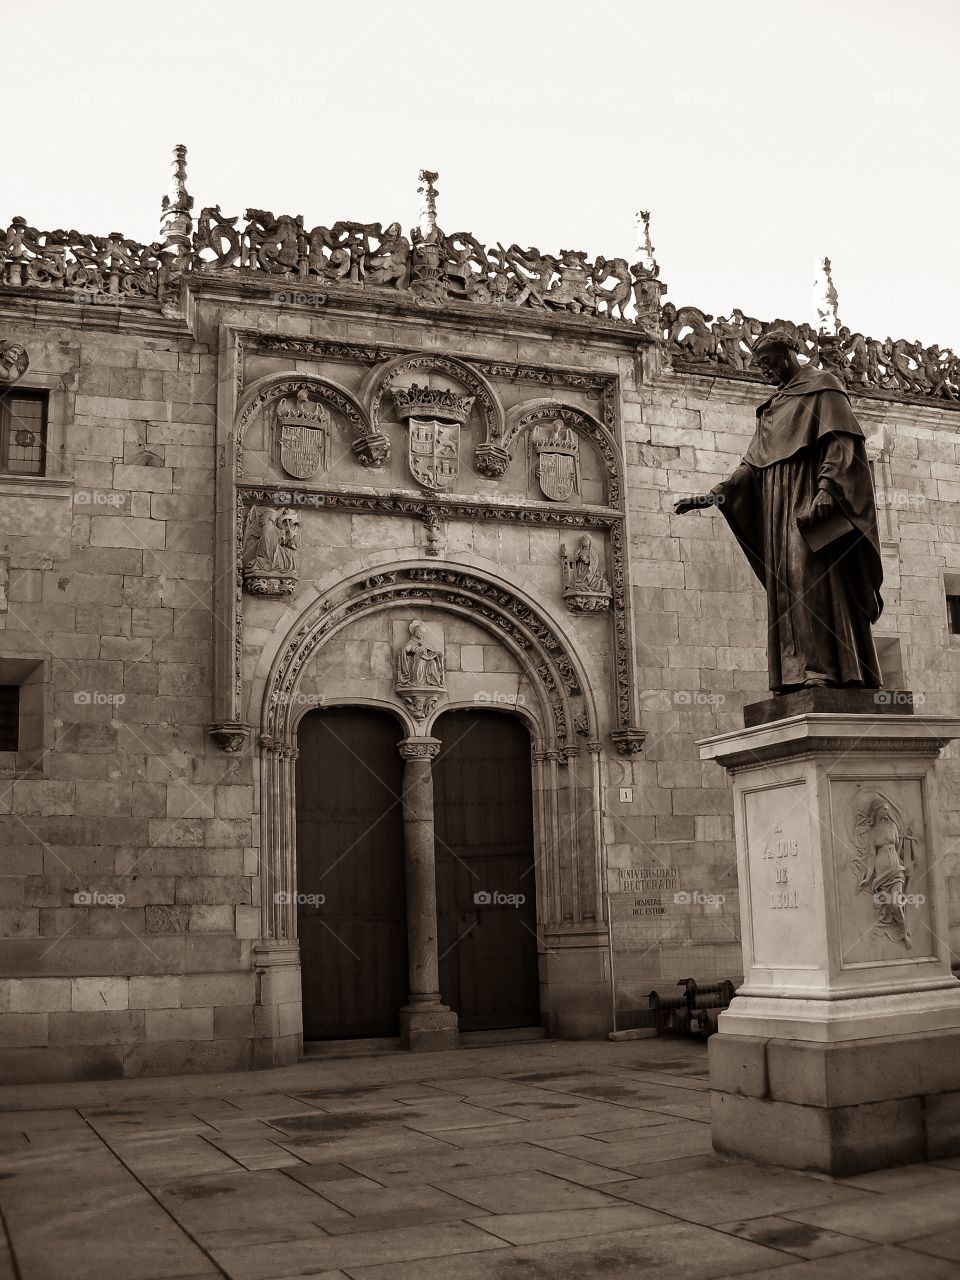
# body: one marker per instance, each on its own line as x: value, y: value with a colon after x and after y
x: 801, y: 505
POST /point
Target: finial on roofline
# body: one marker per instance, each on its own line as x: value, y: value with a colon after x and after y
x: 644, y: 246
x: 428, y: 203
x: 825, y: 299
x: 176, y: 225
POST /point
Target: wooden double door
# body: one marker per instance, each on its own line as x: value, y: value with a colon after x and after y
x: 351, y: 891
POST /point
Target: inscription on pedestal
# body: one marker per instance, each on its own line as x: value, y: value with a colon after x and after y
x: 781, y: 877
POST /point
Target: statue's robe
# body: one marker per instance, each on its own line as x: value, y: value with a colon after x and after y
x: 820, y: 603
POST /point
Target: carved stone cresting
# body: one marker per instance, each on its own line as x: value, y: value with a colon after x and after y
x: 585, y: 589
x: 885, y: 859
x: 695, y: 342
x: 229, y: 735
x: 271, y: 540
x: 419, y: 672
x: 558, y: 461
x: 303, y: 430
x: 14, y: 362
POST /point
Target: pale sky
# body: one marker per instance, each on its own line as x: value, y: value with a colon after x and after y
x: 759, y: 135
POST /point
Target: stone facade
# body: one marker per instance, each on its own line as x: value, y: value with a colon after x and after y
x: 250, y: 493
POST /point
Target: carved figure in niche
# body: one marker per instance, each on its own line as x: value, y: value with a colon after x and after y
x: 585, y: 589
x: 884, y: 861
x: 304, y: 435
x: 802, y: 507
x: 271, y: 539
x: 419, y: 665
x: 14, y: 362
x: 558, y: 462
x: 420, y: 672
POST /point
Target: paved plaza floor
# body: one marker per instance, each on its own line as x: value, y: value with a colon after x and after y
x: 536, y: 1161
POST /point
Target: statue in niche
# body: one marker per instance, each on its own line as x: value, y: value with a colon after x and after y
x: 801, y: 505
x: 884, y: 860
x: 585, y: 589
x: 419, y: 672
x: 271, y: 540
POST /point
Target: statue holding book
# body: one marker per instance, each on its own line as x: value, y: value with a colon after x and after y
x: 801, y: 505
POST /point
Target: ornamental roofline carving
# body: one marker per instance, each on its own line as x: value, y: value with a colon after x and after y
x: 432, y: 268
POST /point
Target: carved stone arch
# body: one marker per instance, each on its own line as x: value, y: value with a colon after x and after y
x: 382, y: 377
x: 531, y: 413
x: 522, y: 712
x: 541, y: 649
x: 565, y: 750
x: 370, y: 449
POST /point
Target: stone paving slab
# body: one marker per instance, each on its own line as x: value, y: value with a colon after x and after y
x: 541, y: 1161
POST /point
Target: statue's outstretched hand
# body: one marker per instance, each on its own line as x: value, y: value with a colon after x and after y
x: 694, y: 503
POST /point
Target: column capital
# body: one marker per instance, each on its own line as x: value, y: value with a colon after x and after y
x: 416, y: 748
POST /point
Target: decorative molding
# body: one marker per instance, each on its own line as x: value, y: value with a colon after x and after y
x: 628, y: 741
x: 419, y: 748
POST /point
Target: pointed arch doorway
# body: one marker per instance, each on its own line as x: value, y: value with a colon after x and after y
x: 351, y: 891
x: 486, y: 880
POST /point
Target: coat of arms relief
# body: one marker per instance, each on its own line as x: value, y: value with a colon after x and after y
x: 304, y: 435
x: 434, y: 416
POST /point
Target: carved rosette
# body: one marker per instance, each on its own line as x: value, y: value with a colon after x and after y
x: 229, y: 735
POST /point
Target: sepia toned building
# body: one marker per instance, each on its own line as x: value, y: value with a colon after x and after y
x: 352, y: 660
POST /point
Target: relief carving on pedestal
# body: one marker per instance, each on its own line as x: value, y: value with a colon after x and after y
x: 886, y: 857
x: 271, y: 540
x: 585, y: 589
x: 420, y: 676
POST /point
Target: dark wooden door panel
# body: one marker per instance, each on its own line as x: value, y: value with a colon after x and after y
x: 484, y: 834
x: 353, y: 944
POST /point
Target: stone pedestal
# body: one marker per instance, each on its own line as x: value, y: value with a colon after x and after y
x: 425, y: 1022
x: 841, y: 1051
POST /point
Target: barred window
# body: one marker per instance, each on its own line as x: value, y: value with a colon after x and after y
x: 23, y: 432
x: 9, y: 717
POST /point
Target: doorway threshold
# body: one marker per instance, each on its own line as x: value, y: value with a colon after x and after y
x: 503, y: 1035
x: 351, y: 1048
